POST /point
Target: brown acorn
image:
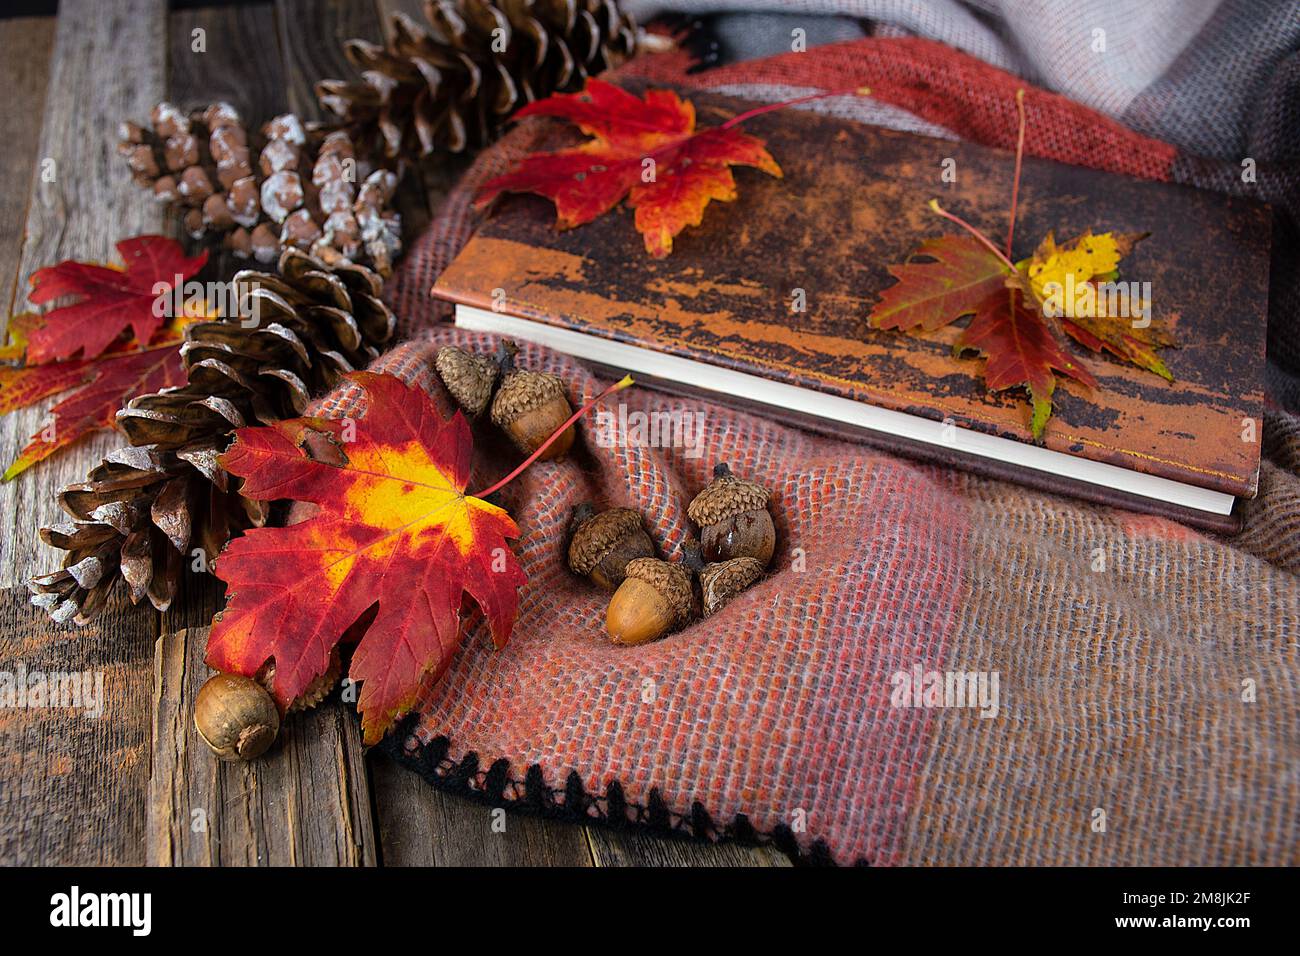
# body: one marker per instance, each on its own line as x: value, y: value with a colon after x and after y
x: 722, y: 581
x: 469, y: 378
x: 601, y: 545
x: 530, y: 406
x: 236, y: 717
x: 733, y: 519
x: 656, y: 597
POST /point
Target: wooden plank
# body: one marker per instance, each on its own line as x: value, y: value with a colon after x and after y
x: 25, y: 48
x: 305, y: 803
x: 108, y: 65
x: 639, y: 848
x: 420, y: 826
x: 72, y: 785
x: 238, y: 63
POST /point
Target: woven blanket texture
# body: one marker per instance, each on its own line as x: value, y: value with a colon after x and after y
x: 1148, y: 689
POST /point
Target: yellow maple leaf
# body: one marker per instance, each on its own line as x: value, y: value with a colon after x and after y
x: 1087, y: 257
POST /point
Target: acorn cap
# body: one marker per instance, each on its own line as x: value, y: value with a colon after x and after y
x: 522, y: 391
x: 468, y: 377
x: 595, y: 536
x: 724, y: 497
x: 723, y: 581
x: 313, y: 693
x: 672, y: 581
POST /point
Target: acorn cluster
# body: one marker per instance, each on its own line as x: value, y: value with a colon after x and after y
x: 653, y: 597
x: 528, y: 406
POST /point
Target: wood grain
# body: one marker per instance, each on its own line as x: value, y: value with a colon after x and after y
x: 305, y: 803
x: 25, y: 48
x: 90, y: 204
x: 420, y: 826
x: 71, y: 784
x: 638, y: 848
x: 239, y: 64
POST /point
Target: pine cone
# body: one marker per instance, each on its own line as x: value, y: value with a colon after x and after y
x: 147, y: 509
x: 453, y: 86
x: 261, y: 194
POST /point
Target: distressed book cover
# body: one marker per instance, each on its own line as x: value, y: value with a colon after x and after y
x: 853, y: 200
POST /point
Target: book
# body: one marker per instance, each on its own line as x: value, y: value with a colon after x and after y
x: 718, y: 316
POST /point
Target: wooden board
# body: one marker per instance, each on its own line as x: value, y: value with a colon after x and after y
x: 72, y: 784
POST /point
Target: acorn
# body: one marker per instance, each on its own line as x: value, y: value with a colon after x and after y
x: 601, y: 545
x: 469, y: 378
x: 313, y: 693
x: 530, y: 406
x: 655, y: 597
x: 733, y: 519
x: 236, y: 717
x: 723, y: 580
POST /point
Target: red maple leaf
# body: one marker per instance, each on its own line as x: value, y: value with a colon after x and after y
x: 110, y: 301
x: 961, y: 276
x: 648, y: 151
x: 1021, y: 351
x: 107, y: 383
x: 394, y: 525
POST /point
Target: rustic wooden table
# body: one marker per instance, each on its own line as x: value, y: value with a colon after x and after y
x: 136, y: 785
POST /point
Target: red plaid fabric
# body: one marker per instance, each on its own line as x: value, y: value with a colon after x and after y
x: 1122, y: 691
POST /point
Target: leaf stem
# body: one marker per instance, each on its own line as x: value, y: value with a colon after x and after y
x: 772, y: 107
x: 621, y: 384
x: 1020, y: 154
x: 934, y: 206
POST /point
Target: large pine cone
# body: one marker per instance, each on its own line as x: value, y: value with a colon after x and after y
x: 149, y: 510
x: 453, y: 86
x: 281, y: 189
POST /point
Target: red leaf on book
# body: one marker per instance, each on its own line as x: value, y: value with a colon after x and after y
x: 960, y: 275
x: 648, y: 151
x: 394, y: 525
x: 110, y: 300
x: 1020, y: 350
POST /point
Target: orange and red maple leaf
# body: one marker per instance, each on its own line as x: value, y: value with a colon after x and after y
x: 394, y: 525
x: 647, y: 151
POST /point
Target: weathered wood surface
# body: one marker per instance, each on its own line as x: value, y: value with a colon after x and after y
x: 125, y: 788
x: 71, y: 784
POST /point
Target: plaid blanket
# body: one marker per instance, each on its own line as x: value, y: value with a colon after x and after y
x: 940, y: 668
